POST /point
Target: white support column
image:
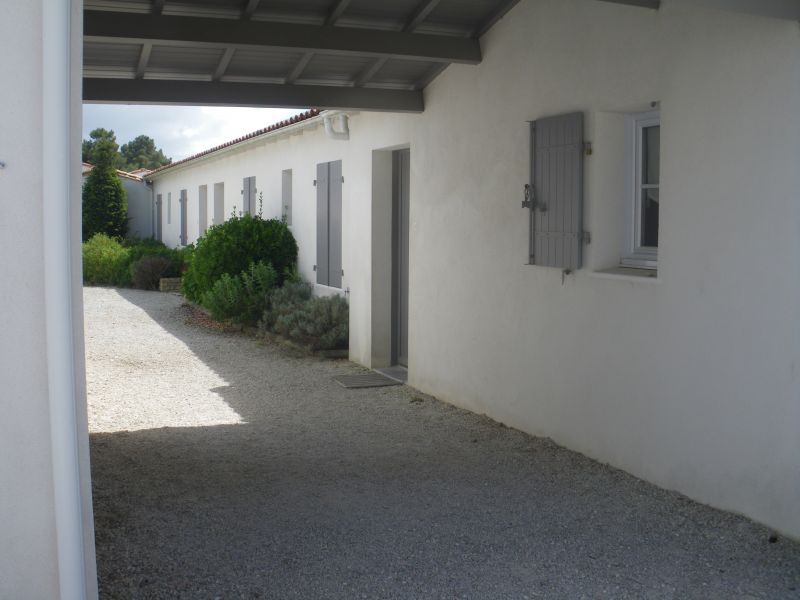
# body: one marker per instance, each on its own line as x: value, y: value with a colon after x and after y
x: 61, y: 122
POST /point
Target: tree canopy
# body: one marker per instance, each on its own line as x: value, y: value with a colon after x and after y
x: 139, y: 153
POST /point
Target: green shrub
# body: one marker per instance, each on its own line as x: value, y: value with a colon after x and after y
x: 319, y: 323
x: 154, y: 248
x: 284, y: 301
x: 231, y: 246
x: 148, y: 270
x: 105, y: 261
x: 242, y: 298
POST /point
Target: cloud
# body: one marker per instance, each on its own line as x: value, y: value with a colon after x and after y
x: 180, y: 130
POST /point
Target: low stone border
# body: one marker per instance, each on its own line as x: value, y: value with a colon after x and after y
x: 170, y: 284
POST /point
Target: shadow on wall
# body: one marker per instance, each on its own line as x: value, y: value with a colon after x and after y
x: 328, y: 493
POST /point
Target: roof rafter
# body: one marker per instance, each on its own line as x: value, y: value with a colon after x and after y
x: 336, y: 12
x: 222, y: 66
x: 370, y: 71
x: 299, y: 67
x: 144, y: 58
x: 420, y: 14
x: 423, y: 10
x: 250, y: 8
x: 202, y: 31
x: 216, y: 93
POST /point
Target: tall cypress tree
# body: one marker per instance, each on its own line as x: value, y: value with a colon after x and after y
x: 105, y: 206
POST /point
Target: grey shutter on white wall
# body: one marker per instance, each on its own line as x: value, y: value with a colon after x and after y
x: 249, y: 195
x: 557, y: 182
x: 335, y: 224
x: 202, y: 209
x: 219, y: 203
x: 322, y: 223
x: 286, y: 196
x: 329, y: 224
x: 184, y: 201
x: 159, y: 217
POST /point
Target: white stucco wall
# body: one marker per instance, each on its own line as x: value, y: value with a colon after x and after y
x: 140, y: 209
x: 45, y: 552
x: 690, y: 380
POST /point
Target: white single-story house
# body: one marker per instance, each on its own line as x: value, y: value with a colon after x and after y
x: 502, y: 237
x: 141, y: 223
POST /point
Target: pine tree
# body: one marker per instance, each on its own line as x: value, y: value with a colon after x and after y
x: 105, y: 206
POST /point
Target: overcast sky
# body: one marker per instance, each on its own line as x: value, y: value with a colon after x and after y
x: 180, y: 130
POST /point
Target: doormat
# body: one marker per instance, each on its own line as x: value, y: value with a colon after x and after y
x: 369, y: 380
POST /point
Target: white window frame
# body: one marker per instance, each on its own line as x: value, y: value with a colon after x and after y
x: 633, y: 253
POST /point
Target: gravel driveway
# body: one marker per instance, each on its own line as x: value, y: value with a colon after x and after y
x: 225, y: 468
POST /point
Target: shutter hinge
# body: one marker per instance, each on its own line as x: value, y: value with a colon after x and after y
x: 315, y: 183
x: 587, y: 148
x: 315, y: 267
x: 342, y: 272
x: 586, y: 237
x: 342, y: 178
x: 528, y: 198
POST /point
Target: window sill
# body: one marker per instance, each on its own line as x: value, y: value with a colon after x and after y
x: 628, y: 274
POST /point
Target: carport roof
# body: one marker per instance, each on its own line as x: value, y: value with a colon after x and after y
x: 363, y: 54
x: 347, y: 54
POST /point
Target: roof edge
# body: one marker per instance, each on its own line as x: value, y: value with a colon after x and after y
x: 302, y: 120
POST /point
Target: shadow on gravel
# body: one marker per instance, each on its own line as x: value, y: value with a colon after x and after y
x: 333, y: 493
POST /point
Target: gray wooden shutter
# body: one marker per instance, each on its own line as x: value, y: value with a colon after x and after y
x: 246, y: 196
x: 159, y: 217
x: 335, y: 224
x: 219, y: 203
x: 322, y: 223
x: 202, y: 209
x: 184, y: 202
x: 557, y: 182
x: 286, y: 195
x: 252, y: 200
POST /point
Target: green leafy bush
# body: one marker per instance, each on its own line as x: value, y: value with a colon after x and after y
x: 242, y: 298
x: 318, y: 323
x: 148, y: 270
x: 105, y: 261
x: 231, y: 246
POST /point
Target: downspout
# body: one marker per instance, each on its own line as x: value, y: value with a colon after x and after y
x: 58, y: 96
x: 343, y: 132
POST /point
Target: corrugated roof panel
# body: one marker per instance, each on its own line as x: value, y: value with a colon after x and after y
x: 398, y: 10
x: 256, y: 63
x: 462, y: 13
x: 187, y: 60
x: 336, y: 68
x: 100, y: 54
x: 401, y: 72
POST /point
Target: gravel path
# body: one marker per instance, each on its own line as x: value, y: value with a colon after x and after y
x: 225, y: 468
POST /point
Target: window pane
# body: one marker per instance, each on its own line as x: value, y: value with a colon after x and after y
x: 649, y: 212
x: 651, y: 140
